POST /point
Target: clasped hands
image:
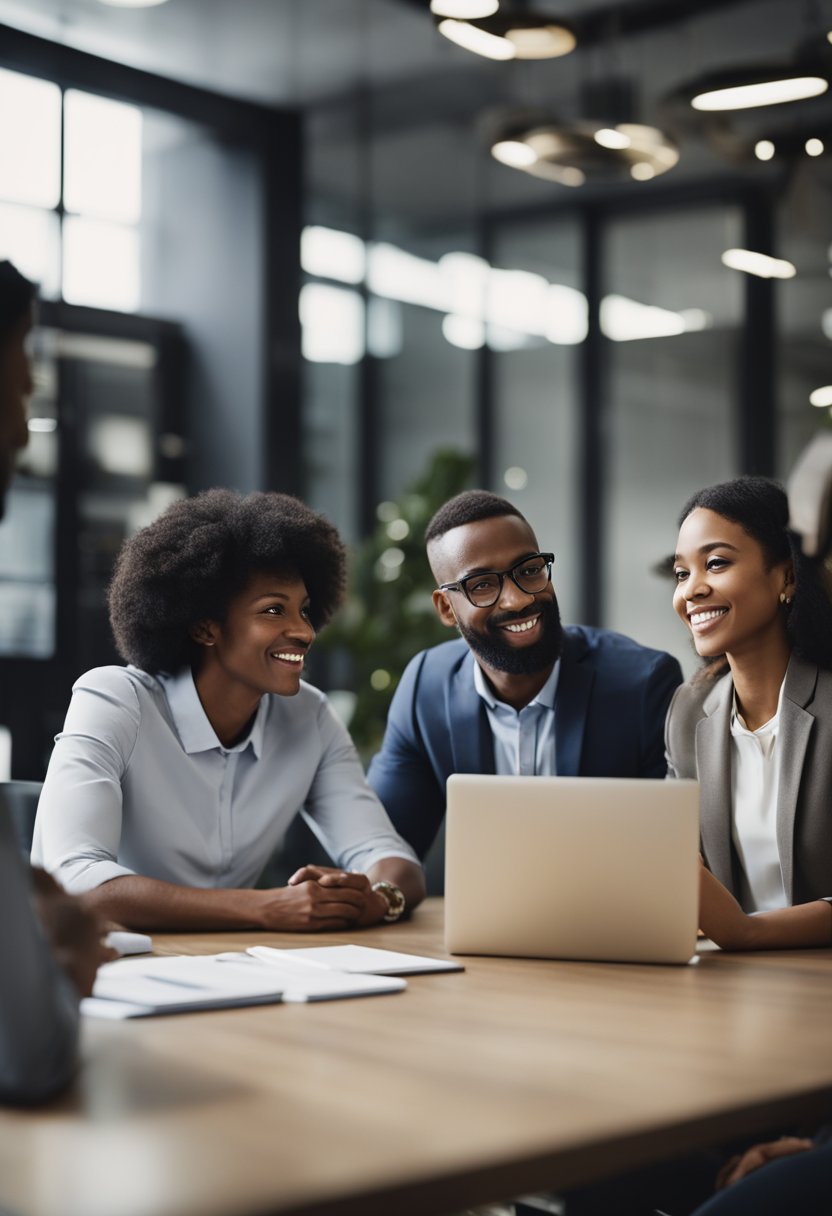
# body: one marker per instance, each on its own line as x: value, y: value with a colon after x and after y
x: 323, y: 897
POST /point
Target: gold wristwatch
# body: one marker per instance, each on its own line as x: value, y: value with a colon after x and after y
x: 396, y: 902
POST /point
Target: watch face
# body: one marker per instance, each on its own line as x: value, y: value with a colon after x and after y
x: 396, y: 902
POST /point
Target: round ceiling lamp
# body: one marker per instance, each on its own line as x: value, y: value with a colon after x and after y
x: 579, y: 152
x: 512, y: 31
x: 806, y: 74
x: 464, y: 10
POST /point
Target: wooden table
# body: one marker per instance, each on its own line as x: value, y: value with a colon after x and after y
x: 514, y: 1076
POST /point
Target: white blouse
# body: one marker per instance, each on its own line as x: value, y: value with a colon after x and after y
x: 755, y: 780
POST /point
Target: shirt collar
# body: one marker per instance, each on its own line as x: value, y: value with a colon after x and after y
x: 767, y: 730
x: 546, y: 696
x: 191, y: 721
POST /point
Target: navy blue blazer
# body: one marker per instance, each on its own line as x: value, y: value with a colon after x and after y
x: 610, y: 706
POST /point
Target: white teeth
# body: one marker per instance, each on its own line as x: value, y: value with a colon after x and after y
x: 699, y: 618
x: 523, y: 626
x: 291, y: 658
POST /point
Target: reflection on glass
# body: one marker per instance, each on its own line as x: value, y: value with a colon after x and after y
x: 30, y: 237
x: 27, y: 591
x: 333, y: 324
x: 672, y: 402
x: 101, y: 265
x: 30, y: 140
x: 102, y: 158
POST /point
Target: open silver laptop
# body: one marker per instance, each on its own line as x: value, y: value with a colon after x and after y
x: 572, y: 867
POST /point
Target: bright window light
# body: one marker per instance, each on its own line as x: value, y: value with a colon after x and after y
x: 101, y: 265
x: 464, y: 332
x: 121, y: 445
x: 30, y: 140
x: 767, y: 93
x: 821, y: 396
x: 332, y: 320
x: 398, y: 275
x: 103, y: 158
x: 566, y: 320
x: 625, y: 320
x: 31, y: 238
x: 330, y: 254
x: 765, y: 267
x: 517, y: 300
x: 466, y: 280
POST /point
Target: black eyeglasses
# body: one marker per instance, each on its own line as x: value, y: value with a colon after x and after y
x: 484, y: 589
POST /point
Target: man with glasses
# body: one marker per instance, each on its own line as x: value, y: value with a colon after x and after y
x: 518, y: 693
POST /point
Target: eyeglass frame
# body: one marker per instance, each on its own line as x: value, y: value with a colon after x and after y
x: 502, y: 575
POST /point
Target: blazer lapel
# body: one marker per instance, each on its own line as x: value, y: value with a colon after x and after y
x: 571, y: 704
x: 472, y: 744
x: 795, y: 726
x: 713, y: 764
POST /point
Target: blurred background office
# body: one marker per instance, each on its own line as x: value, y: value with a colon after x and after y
x: 309, y: 244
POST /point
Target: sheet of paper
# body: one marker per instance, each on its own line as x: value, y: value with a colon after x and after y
x: 360, y: 960
x: 178, y: 984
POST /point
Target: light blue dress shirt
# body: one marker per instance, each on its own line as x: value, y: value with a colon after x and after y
x: 139, y: 783
x: 524, y: 739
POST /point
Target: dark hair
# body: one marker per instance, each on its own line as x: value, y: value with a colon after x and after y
x: 466, y: 508
x: 17, y: 295
x: 761, y: 509
x: 195, y: 558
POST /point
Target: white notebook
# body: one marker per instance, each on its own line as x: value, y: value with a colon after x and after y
x: 360, y: 960
x: 132, y: 988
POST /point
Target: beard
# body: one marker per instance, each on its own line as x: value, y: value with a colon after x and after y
x: 491, y: 648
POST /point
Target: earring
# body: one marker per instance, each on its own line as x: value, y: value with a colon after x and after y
x: 785, y: 599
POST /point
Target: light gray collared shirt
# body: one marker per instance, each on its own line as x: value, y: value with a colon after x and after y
x: 139, y: 783
x: 524, y: 740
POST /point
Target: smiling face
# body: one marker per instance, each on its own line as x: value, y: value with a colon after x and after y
x: 519, y: 635
x: 260, y: 646
x: 727, y: 593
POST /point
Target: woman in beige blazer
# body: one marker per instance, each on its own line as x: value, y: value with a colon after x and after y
x: 754, y: 726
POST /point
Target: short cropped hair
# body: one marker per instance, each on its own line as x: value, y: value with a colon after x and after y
x: 467, y: 508
x: 189, y: 564
x: 17, y: 295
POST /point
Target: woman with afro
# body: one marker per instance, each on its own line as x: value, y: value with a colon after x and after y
x: 175, y: 777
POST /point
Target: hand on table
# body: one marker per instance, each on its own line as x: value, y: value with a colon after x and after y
x: 746, y: 1163
x: 74, y: 933
x: 373, y: 907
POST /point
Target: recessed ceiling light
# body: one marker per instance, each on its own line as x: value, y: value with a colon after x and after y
x: 464, y: 10
x: 760, y: 264
x: 764, y: 149
x: 772, y: 92
x: 814, y: 147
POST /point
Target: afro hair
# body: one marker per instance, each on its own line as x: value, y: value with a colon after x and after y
x: 198, y: 555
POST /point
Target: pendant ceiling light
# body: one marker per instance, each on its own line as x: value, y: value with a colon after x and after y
x: 806, y: 75
x: 510, y: 31
x: 584, y: 152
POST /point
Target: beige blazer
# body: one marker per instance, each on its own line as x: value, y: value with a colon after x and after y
x: 698, y: 744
